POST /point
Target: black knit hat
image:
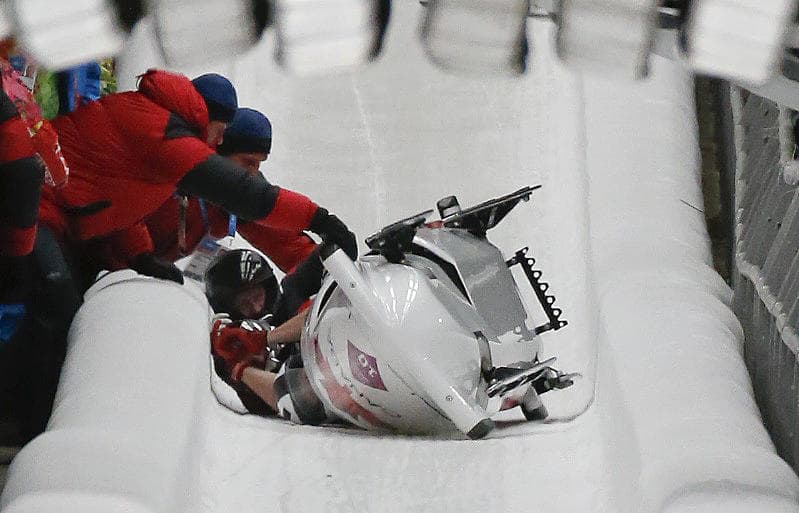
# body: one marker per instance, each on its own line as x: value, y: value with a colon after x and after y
x: 250, y: 132
x: 219, y: 95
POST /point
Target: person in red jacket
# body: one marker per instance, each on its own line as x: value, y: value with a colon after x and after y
x: 36, y: 300
x: 21, y: 177
x: 179, y: 226
x: 126, y: 153
x: 129, y: 152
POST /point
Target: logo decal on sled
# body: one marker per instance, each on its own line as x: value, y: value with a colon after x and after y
x: 364, y: 367
x: 339, y: 395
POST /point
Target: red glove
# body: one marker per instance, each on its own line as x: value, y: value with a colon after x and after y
x: 237, y: 345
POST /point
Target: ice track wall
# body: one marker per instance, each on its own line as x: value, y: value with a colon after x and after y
x: 675, y: 342
x: 124, y: 433
x: 766, y: 271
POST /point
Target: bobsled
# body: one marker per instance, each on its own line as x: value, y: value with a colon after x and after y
x: 428, y: 332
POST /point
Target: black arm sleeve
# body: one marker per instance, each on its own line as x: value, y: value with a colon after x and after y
x: 298, y: 286
x: 7, y: 108
x: 220, y: 181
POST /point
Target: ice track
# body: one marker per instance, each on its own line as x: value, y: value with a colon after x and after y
x: 617, y: 229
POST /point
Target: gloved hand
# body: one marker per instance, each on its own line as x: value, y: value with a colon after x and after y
x: 332, y: 229
x: 237, y: 345
x: 149, y: 265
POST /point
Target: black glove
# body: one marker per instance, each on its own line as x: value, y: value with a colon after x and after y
x: 148, y: 265
x: 333, y: 230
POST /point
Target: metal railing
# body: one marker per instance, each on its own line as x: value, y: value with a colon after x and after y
x: 766, y: 259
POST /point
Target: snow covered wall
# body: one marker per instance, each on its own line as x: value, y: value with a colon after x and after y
x: 616, y: 229
x: 123, y: 434
x: 669, y: 330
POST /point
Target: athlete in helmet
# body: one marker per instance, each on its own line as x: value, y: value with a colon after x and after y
x: 251, y: 357
x: 241, y: 284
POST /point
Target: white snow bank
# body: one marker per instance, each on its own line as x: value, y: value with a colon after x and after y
x: 730, y: 498
x: 670, y: 331
x: 124, y: 430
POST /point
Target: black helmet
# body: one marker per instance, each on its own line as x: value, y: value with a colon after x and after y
x: 234, y: 271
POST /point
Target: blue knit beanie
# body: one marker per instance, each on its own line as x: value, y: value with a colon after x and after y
x: 250, y: 132
x: 219, y: 95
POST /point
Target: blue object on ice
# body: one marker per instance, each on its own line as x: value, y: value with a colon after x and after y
x: 10, y: 317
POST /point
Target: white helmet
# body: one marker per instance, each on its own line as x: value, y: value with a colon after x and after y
x: 428, y: 332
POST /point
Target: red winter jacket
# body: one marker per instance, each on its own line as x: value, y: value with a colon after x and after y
x: 20, y: 182
x: 284, y: 247
x: 126, y: 152
x: 129, y: 152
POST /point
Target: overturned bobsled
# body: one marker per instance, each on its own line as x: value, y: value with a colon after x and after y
x: 428, y: 332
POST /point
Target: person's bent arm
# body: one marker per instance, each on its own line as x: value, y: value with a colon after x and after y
x: 289, y: 332
x: 221, y: 181
x: 262, y: 383
x: 251, y: 197
x: 287, y: 249
x: 205, y: 174
x: 133, y: 247
x: 298, y: 287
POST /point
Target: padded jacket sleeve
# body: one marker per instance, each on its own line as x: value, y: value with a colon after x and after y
x: 133, y: 241
x: 119, y: 248
x: 252, y: 198
x: 178, y: 156
x: 20, y: 183
x: 285, y: 248
x: 298, y: 286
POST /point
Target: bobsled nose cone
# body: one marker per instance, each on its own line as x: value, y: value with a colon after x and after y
x: 482, y: 428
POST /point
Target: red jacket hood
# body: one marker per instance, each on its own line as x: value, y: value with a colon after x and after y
x: 176, y: 94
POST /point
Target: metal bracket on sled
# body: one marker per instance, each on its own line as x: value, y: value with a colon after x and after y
x: 547, y: 301
x: 506, y: 378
